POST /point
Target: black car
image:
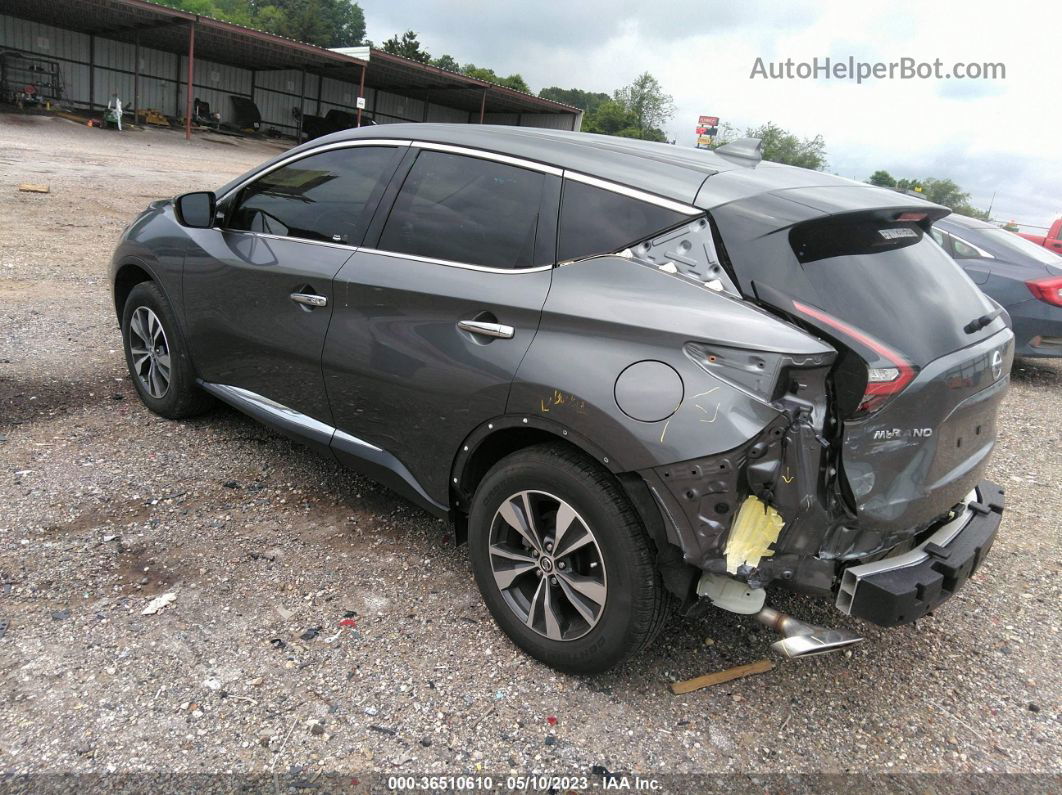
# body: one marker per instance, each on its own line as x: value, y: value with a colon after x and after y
x: 638, y: 377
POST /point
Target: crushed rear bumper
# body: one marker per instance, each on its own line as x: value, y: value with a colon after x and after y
x: 902, y: 588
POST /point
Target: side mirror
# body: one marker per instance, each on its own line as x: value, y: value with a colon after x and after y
x: 196, y: 210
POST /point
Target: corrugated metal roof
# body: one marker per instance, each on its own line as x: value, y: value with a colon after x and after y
x: 164, y: 28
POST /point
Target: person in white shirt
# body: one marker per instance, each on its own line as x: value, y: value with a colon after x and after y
x: 115, y: 105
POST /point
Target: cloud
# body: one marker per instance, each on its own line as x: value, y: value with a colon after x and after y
x: 990, y: 136
x: 969, y: 89
x: 501, y: 30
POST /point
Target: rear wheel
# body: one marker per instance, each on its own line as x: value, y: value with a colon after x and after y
x: 156, y: 357
x: 563, y: 561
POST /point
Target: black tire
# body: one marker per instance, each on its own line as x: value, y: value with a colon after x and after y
x: 636, y: 606
x: 182, y: 397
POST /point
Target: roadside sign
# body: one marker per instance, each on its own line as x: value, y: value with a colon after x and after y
x: 704, y: 140
x: 361, y: 103
x: 708, y: 121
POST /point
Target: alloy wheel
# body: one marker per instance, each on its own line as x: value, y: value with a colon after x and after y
x: 547, y: 565
x: 150, y: 352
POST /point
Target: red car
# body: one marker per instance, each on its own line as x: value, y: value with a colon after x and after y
x: 1052, y: 240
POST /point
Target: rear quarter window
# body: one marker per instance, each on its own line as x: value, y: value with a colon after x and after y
x: 598, y: 221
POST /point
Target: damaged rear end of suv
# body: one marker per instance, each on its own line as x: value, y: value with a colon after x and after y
x: 806, y: 397
x: 867, y: 487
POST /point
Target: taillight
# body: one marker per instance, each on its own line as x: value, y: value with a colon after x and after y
x: 1048, y: 290
x: 886, y: 377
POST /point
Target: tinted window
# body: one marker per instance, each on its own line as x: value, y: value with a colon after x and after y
x: 598, y: 221
x: 963, y: 250
x: 1010, y: 243
x: 887, y: 279
x: 328, y: 197
x: 466, y: 209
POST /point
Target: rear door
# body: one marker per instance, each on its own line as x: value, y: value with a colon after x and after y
x: 435, y: 313
x: 258, y: 288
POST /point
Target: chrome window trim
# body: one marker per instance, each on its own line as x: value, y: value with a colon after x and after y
x: 981, y: 252
x: 484, y: 154
x: 578, y: 176
x: 395, y: 142
x: 270, y: 236
x: 451, y: 263
x: 634, y: 193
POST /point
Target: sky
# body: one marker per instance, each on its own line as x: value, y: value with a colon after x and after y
x: 996, y: 136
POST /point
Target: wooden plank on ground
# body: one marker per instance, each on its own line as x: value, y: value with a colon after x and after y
x: 30, y: 187
x: 689, y: 685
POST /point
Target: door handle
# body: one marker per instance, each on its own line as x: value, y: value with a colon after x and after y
x: 309, y: 299
x: 496, y: 330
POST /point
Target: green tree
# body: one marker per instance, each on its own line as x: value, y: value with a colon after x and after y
x: 940, y: 191
x: 305, y: 20
x: 269, y: 18
x: 447, y: 62
x: 587, y: 101
x: 883, y: 179
x: 944, y: 191
x: 407, y: 47
x: 515, y: 81
x: 609, y: 118
x: 613, y: 118
x: 347, y: 23
x: 650, y: 106
x: 326, y: 23
x: 781, y: 146
x: 973, y: 212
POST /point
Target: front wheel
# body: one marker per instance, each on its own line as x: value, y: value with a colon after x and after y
x: 156, y: 357
x: 563, y: 561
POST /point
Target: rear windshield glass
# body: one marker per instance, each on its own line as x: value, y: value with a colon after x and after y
x: 893, y: 282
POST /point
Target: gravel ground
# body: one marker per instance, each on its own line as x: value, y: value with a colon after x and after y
x: 104, y: 506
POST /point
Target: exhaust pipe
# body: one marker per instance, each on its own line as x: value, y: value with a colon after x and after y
x: 804, y: 640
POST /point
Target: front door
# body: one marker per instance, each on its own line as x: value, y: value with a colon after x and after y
x: 258, y: 289
x: 432, y: 321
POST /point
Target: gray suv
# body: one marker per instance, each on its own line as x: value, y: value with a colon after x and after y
x: 637, y: 378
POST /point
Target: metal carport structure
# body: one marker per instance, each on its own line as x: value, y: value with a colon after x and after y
x: 194, y: 40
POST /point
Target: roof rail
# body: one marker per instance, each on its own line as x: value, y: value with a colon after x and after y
x: 744, y: 148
